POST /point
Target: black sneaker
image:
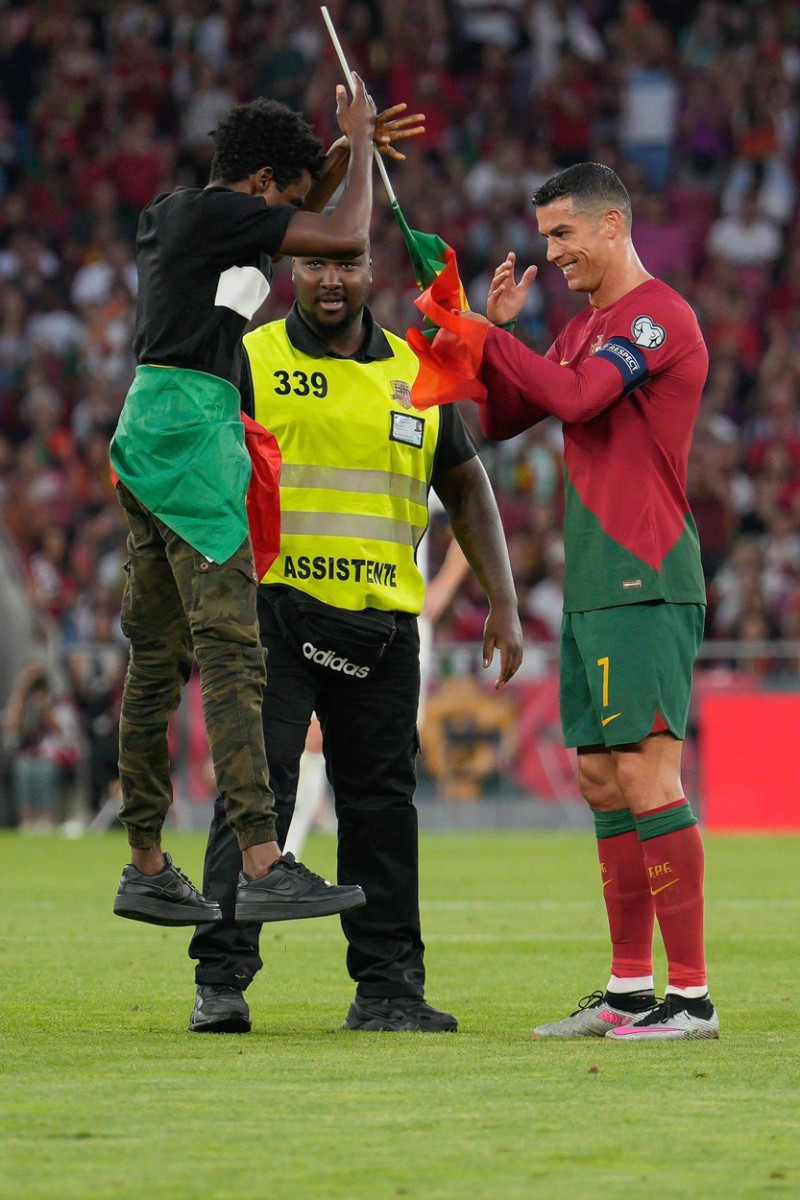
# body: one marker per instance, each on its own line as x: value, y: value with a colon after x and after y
x: 398, y: 1014
x: 168, y: 898
x: 290, y: 892
x: 220, y: 1009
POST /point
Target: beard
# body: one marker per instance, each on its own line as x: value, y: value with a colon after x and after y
x: 338, y: 324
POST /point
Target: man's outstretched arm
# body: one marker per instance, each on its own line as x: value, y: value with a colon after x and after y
x: 571, y: 394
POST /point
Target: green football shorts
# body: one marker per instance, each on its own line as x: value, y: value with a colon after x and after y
x: 627, y: 671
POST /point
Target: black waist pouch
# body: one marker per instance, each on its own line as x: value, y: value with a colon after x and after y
x: 334, y: 639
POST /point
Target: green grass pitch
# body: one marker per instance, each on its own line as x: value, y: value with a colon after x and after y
x: 104, y: 1093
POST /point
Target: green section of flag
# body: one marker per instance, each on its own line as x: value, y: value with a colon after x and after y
x: 179, y: 447
x: 427, y: 251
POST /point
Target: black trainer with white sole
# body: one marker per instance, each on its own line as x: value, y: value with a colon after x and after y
x: 167, y: 898
x: 291, y: 892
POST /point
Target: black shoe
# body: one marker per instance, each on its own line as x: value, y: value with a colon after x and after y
x: 398, y: 1014
x: 220, y: 1009
x: 168, y: 898
x: 290, y: 892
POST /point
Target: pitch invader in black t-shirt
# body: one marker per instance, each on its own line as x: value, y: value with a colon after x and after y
x: 203, y: 257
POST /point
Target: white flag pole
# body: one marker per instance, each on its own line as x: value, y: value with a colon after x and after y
x: 348, y: 74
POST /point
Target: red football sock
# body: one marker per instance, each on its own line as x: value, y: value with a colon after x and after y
x: 675, y: 861
x: 629, y: 905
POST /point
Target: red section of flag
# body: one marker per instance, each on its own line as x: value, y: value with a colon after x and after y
x: 263, y: 494
x: 449, y: 365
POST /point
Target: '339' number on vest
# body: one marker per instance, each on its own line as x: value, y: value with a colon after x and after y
x: 300, y: 383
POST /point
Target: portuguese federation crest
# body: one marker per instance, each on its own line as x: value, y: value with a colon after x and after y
x: 401, y: 392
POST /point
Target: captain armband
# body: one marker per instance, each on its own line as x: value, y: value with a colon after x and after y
x: 629, y: 361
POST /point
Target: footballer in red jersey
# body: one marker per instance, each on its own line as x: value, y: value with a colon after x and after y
x: 625, y: 377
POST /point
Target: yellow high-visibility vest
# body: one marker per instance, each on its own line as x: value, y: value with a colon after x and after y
x: 357, y: 465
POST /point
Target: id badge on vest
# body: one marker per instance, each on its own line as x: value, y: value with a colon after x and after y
x: 408, y: 429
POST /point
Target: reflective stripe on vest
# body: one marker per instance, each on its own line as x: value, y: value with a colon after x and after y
x: 357, y: 466
x: 382, y: 529
x: 346, y: 479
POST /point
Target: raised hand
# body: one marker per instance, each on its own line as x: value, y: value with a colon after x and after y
x: 506, y: 296
x: 356, y: 119
x: 390, y: 127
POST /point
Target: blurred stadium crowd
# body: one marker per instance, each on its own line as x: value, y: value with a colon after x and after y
x: 102, y: 105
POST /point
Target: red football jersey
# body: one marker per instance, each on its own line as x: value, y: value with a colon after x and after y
x: 626, y: 382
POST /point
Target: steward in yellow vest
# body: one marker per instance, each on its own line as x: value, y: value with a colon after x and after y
x: 337, y: 613
x: 357, y: 463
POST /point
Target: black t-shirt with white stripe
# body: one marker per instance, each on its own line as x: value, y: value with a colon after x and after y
x: 203, y: 259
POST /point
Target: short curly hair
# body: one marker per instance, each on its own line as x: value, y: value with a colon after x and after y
x: 265, y: 133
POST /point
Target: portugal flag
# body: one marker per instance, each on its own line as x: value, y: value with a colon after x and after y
x: 429, y: 255
x: 263, y: 494
x: 450, y: 348
x: 449, y: 363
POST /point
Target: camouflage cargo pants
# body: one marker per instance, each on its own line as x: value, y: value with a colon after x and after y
x: 176, y: 603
